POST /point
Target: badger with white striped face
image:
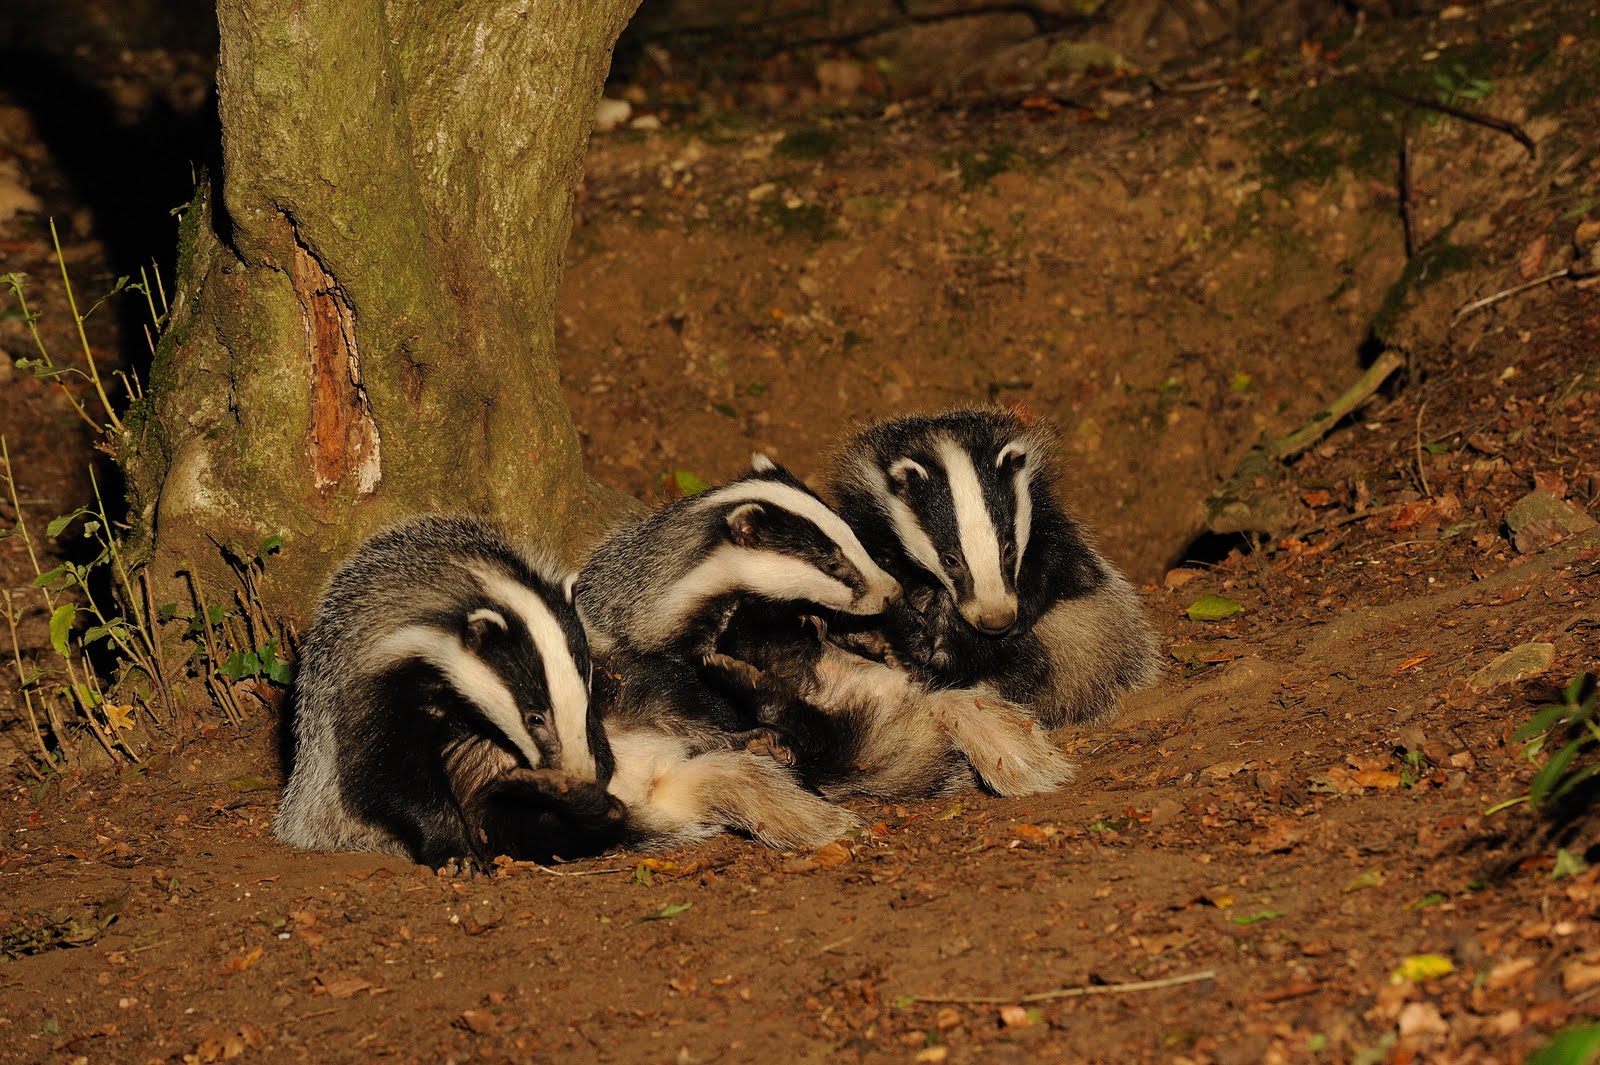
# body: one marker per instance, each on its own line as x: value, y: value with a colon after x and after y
x: 1002, y: 584
x: 668, y: 584
x: 441, y: 706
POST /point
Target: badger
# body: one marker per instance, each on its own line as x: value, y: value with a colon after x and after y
x: 1004, y: 588
x: 656, y: 597
x: 855, y: 726
x: 668, y: 584
x: 441, y: 708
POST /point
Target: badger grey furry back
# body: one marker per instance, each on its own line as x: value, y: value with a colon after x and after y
x: 440, y: 660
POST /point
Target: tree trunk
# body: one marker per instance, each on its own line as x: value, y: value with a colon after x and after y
x: 366, y: 330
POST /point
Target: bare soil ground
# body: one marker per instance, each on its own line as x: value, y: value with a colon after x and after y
x: 1169, y: 275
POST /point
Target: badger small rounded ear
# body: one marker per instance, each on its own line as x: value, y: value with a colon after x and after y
x: 761, y: 464
x: 481, y: 623
x: 902, y: 470
x: 1012, y: 457
x: 744, y: 524
x: 569, y: 587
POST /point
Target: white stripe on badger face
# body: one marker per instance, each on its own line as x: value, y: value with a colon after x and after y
x: 731, y: 568
x: 879, y: 585
x: 569, y: 696
x: 975, y: 530
x: 464, y: 672
x: 1022, y: 485
x: 904, y: 520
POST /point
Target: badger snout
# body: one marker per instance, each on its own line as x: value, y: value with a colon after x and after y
x: 994, y: 620
x: 877, y: 600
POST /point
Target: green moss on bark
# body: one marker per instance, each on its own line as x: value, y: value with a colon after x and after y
x: 418, y: 170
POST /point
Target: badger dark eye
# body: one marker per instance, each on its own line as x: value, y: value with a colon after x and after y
x: 837, y: 568
x: 952, y: 561
x: 1008, y: 554
x: 535, y: 720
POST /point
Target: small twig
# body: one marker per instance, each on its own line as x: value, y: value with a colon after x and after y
x: 1068, y: 992
x: 1510, y: 129
x: 1477, y: 305
x: 565, y: 872
x: 1421, y: 475
x: 1407, y: 226
x: 1331, y: 523
x: 1353, y: 397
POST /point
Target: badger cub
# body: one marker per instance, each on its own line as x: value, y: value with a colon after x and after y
x: 1003, y: 586
x: 668, y: 584
x: 655, y: 598
x: 441, y: 706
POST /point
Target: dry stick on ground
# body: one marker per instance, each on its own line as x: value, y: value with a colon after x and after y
x: 1407, y: 226
x: 1352, y: 397
x: 1478, y: 304
x: 1330, y: 523
x: 1067, y: 992
x: 1510, y: 129
x: 1422, y: 475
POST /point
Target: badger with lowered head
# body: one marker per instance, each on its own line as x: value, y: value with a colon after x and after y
x: 655, y: 598
x: 1003, y: 587
x: 441, y: 708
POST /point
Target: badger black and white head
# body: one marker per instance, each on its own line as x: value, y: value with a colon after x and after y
x: 959, y: 496
x: 668, y: 583
x: 440, y: 660
x: 1004, y: 586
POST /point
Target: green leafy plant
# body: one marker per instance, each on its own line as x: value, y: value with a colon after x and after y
x: 1569, y: 729
x: 105, y: 675
x: 236, y: 643
x: 1455, y: 83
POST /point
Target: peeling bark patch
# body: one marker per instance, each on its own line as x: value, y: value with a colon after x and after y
x: 342, y: 441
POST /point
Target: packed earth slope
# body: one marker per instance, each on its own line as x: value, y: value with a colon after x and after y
x: 1280, y: 852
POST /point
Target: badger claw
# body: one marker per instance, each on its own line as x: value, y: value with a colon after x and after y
x: 735, y: 669
x: 766, y: 741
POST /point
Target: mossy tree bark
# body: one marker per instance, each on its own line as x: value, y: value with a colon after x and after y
x: 365, y: 330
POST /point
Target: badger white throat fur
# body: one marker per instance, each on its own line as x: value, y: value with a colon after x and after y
x: 440, y: 708
x: 667, y: 584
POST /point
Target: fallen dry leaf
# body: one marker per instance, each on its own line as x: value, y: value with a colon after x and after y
x: 243, y: 961
x: 1414, y: 660
x: 1421, y: 1020
x: 1531, y: 263
x: 1224, y: 770
x: 1015, y: 1017
x: 1377, y: 778
x: 826, y: 857
x: 344, y: 986
x: 479, y: 1022
x: 1281, y: 834
x: 1578, y: 975
x: 1031, y: 834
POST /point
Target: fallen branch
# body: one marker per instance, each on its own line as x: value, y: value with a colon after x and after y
x: 1478, y: 305
x: 1352, y: 397
x: 1066, y: 992
x: 1338, y: 521
x: 1510, y: 129
x: 1403, y: 181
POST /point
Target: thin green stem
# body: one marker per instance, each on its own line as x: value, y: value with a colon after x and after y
x: 22, y: 680
x: 83, y: 335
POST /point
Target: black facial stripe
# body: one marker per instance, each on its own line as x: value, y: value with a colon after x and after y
x: 786, y: 533
x: 930, y: 500
x: 1000, y: 496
